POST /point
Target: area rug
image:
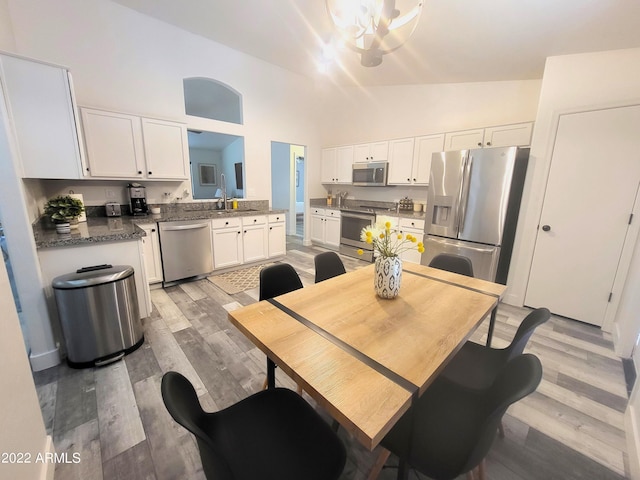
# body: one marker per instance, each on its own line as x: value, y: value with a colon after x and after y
x: 240, y: 280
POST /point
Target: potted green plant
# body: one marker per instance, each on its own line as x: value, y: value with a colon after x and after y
x: 62, y: 210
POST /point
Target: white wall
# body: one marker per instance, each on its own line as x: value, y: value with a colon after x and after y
x: 124, y: 61
x: 354, y: 115
x: 7, y: 42
x: 21, y: 421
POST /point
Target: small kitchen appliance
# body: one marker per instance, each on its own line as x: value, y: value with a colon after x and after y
x: 137, y: 199
x: 112, y: 209
x: 372, y: 174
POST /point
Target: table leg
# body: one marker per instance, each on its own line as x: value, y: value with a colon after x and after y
x: 271, y: 373
x: 492, y: 324
x: 403, y: 470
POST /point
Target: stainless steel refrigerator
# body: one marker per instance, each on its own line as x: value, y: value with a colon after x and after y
x: 473, y: 204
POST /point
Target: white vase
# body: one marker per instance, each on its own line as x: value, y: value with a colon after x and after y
x: 63, y: 227
x: 388, y: 275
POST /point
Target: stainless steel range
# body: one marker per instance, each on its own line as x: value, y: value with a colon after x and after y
x: 352, y: 221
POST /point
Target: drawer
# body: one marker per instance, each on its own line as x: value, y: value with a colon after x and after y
x: 317, y: 211
x: 332, y: 213
x: 254, y: 220
x: 228, y: 222
x: 276, y: 218
x: 416, y: 224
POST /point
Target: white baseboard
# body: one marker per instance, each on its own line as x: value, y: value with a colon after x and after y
x: 513, y: 300
x: 307, y: 243
x: 633, y: 442
x: 44, y: 360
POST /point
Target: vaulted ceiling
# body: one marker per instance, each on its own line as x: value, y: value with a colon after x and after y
x: 455, y: 40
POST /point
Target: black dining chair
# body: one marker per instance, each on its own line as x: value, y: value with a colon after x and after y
x: 273, y: 434
x: 453, y: 263
x: 276, y: 280
x: 451, y: 429
x: 476, y: 366
x: 328, y: 265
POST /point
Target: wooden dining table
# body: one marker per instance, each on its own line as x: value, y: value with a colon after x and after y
x: 362, y: 358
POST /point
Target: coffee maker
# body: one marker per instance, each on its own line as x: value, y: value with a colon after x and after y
x: 137, y: 199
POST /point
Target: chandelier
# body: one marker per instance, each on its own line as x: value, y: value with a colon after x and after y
x: 374, y: 28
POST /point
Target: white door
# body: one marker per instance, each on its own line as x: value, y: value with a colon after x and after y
x: 592, y: 187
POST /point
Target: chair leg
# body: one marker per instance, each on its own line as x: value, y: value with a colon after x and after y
x: 482, y: 470
x: 299, y: 390
x: 380, y: 461
x: 501, y: 429
x: 470, y: 474
x: 265, y: 384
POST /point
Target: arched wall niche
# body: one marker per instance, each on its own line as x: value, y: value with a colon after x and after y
x: 208, y: 98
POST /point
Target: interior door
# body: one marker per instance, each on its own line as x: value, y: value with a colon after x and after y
x: 593, y: 184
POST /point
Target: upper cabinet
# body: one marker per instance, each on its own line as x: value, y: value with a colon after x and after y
x: 371, y: 152
x: 410, y: 159
x: 337, y: 164
x: 42, y: 110
x: 518, y: 134
x: 127, y: 146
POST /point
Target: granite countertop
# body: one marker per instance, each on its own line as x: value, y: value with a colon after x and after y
x: 113, y: 229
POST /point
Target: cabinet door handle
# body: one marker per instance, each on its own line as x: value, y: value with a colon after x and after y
x: 488, y: 144
x: 153, y: 229
x: 150, y: 173
x: 546, y: 228
x: 139, y: 172
x: 414, y: 179
x: 270, y: 228
x: 479, y: 144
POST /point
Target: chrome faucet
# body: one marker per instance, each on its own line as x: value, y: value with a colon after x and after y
x: 223, y: 184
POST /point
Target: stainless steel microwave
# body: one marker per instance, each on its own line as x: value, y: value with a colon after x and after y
x: 372, y: 174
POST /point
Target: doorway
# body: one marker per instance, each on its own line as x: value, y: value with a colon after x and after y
x: 591, y: 193
x: 287, y: 184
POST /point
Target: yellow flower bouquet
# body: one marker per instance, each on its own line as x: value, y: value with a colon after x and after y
x: 387, y: 243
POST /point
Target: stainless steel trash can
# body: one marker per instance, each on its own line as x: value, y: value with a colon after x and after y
x: 99, y: 314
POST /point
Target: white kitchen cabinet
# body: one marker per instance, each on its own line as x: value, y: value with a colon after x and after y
x: 255, y: 238
x: 325, y: 227
x: 344, y: 164
x: 227, y: 242
x: 371, y: 152
x: 43, y: 114
x: 410, y: 159
x: 424, y: 149
x: 332, y: 228
x: 151, y: 252
x: 328, y: 166
x: 317, y: 225
x: 464, y: 140
x: 337, y: 164
x: 166, y: 149
x: 277, y: 235
x: 120, y: 145
x: 518, y: 135
x: 414, y: 227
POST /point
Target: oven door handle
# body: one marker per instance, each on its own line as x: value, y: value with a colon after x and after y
x: 361, y: 217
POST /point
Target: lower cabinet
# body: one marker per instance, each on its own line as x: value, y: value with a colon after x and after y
x: 325, y: 227
x: 227, y: 242
x: 239, y: 240
x: 277, y: 235
x: 415, y: 228
x: 151, y: 252
x: 255, y: 240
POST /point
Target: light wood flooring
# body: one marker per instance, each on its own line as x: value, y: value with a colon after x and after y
x: 572, y: 427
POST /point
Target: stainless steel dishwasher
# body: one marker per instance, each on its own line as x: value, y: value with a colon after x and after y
x: 186, y: 249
